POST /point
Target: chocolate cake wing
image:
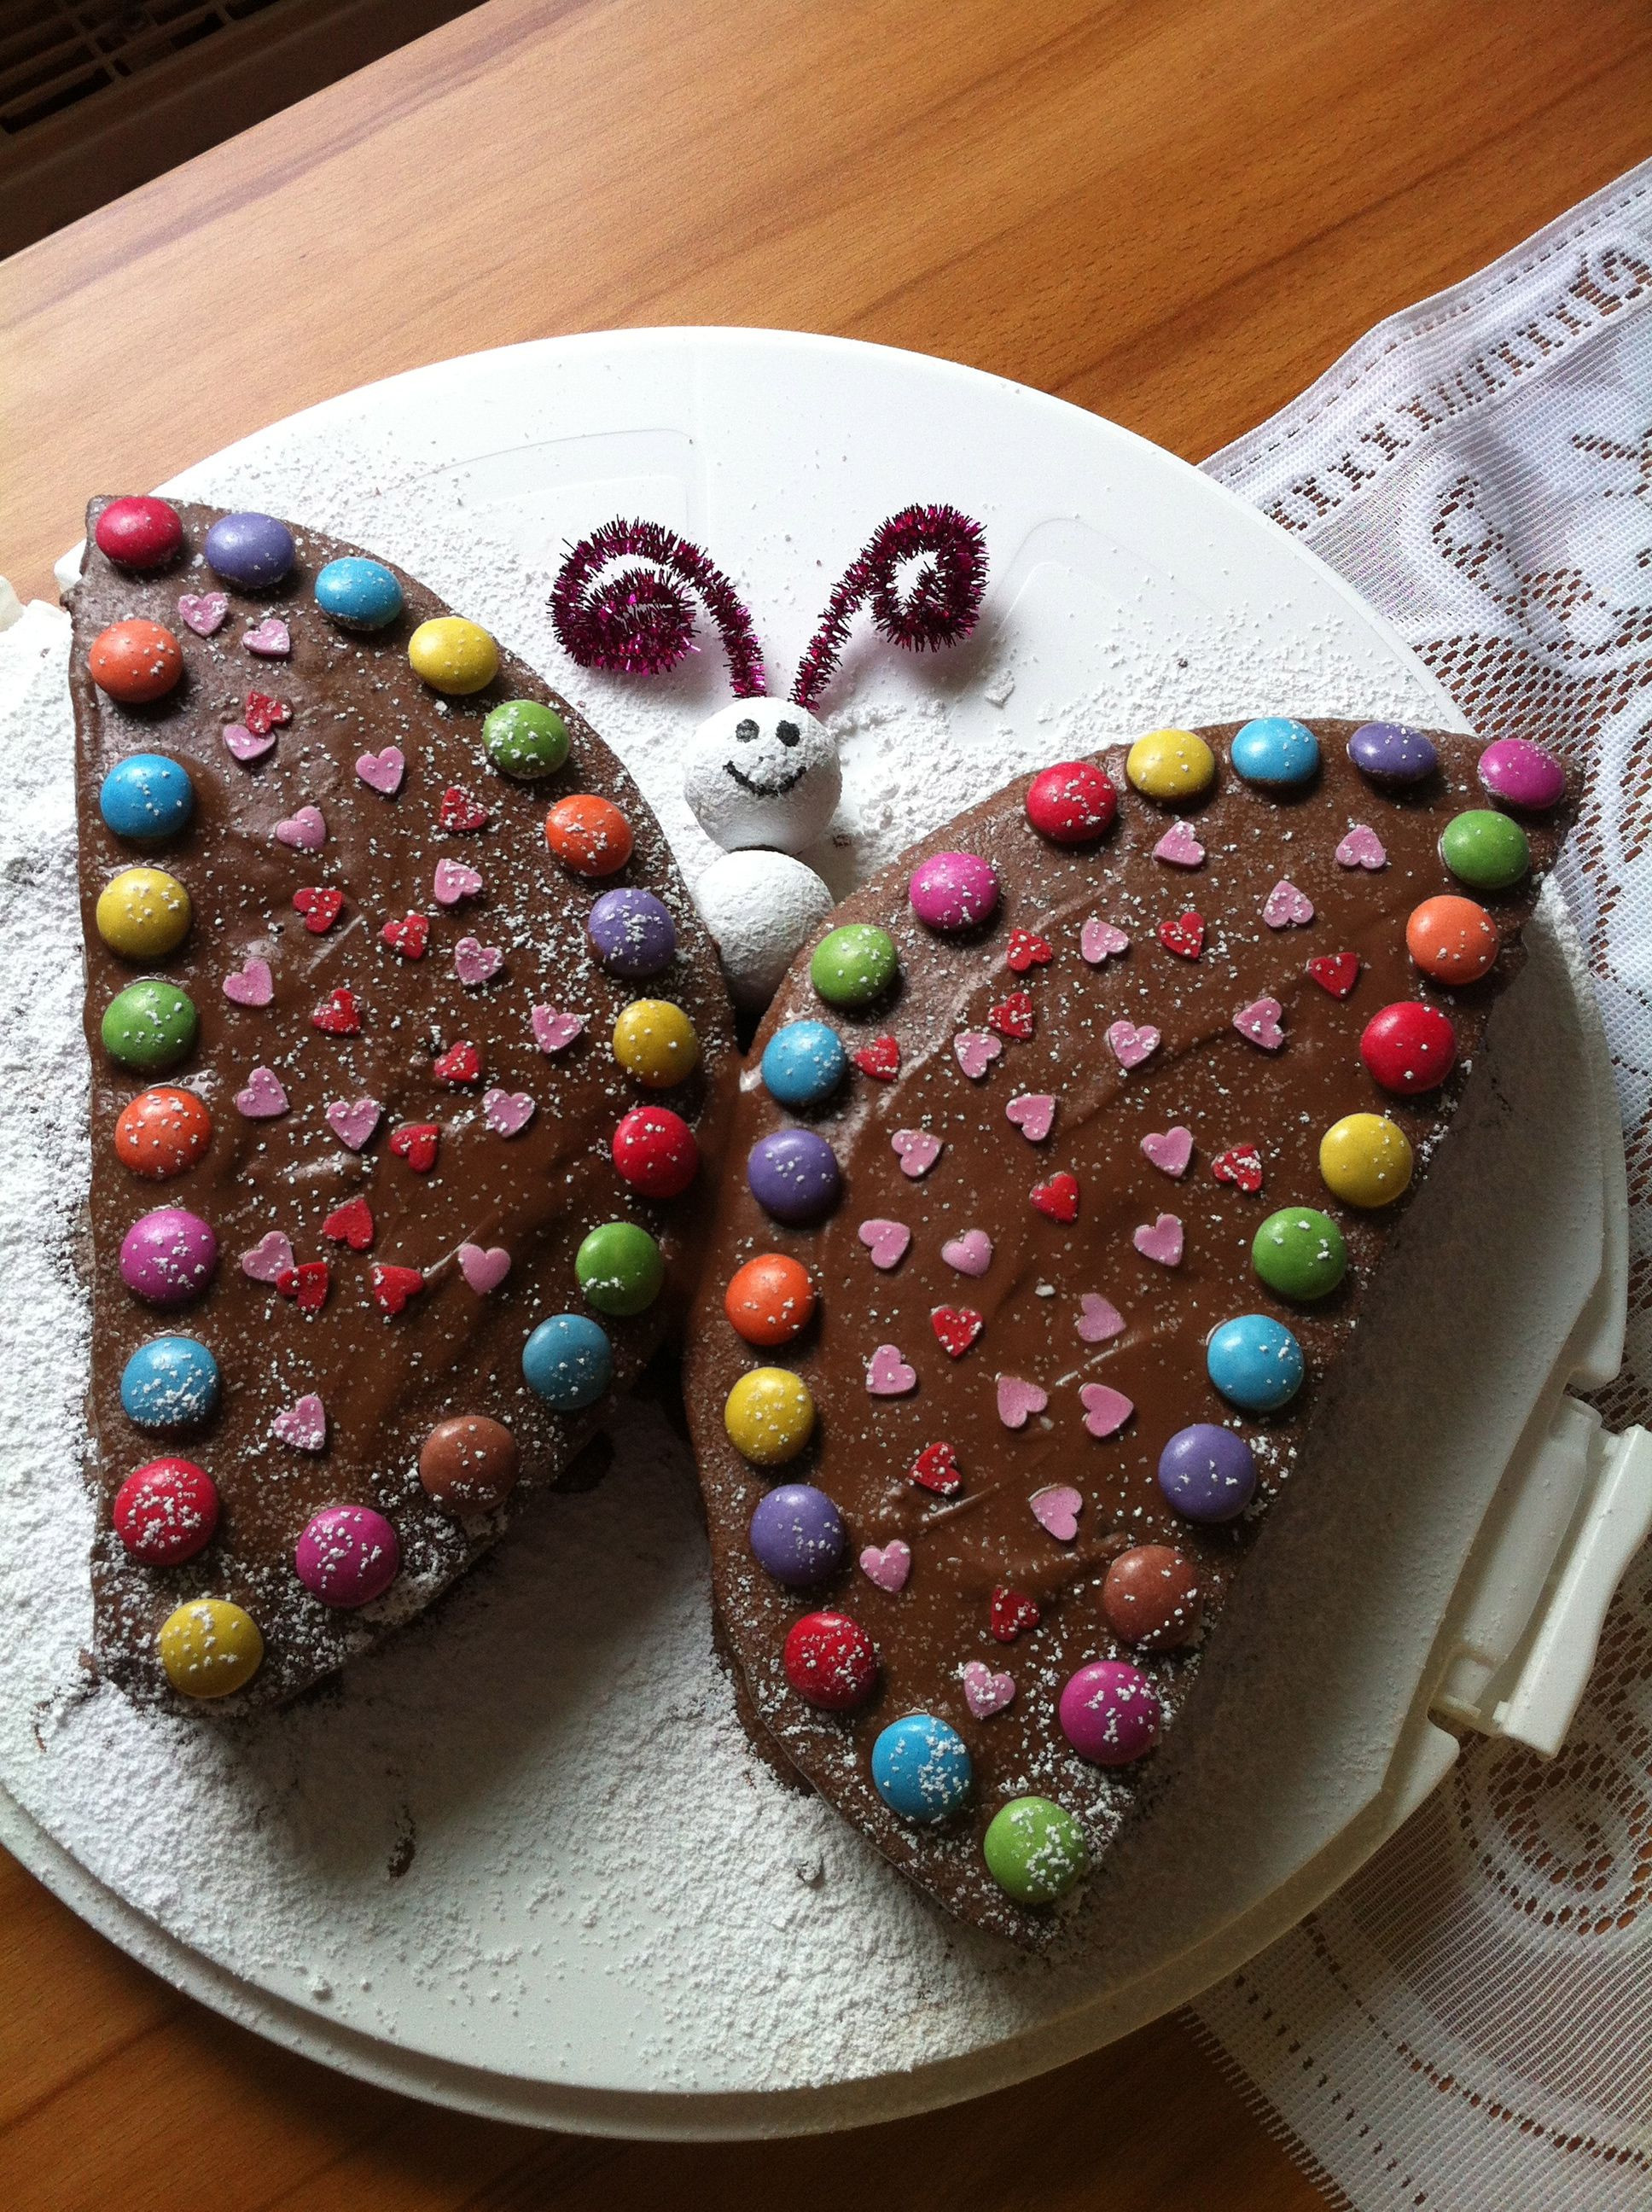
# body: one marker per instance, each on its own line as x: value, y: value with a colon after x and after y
x: 1080, y: 1132
x: 410, y: 1067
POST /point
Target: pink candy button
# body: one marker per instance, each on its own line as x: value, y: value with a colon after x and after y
x: 167, y: 1257
x: 348, y: 1556
x: 1109, y: 1713
x: 1522, y: 774
x: 954, y: 891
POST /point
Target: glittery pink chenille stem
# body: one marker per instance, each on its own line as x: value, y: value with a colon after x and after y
x: 640, y: 620
x: 939, y: 607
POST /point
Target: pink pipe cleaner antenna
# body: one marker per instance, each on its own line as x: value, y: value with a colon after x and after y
x: 939, y: 605
x: 639, y: 619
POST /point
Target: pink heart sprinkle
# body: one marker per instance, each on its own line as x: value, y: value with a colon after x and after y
x: 475, y: 962
x: 270, y: 1258
x: 1099, y: 1319
x: 383, y: 771
x: 483, y: 1269
x: 888, y: 1569
x: 252, y: 985
x: 1362, y: 848
x: 1179, y: 847
x: 888, y: 1375
x: 1018, y: 1402
x: 1100, y: 940
x: 507, y: 1112
x: 1034, y: 1113
x: 1160, y: 1240
x: 1056, y: 1508
x: 455, y: 881
x: 553, y: 1030
x: 886, y: 1241
x: 1286, y: 908
x: 1169, y: 1150
x: 244, y: 744
x: 270, y: 641
x: 262, y: 1096
x: 1106, y: 1410
x: 1260, y: 1022
x: 917, y: 1150
x: 203, y: 611
x: 976, y: 1050
x: 306, y: 830
x: 353, y: 1121
x: 302, y: 1424
x: 970, y: 1253
x: 984, y: 1692
x: 1131, y: 1045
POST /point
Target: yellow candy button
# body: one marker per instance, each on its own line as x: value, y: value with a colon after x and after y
x: 1170, y: 764
x: 770, y: 1416
x: 655, y: 1041
x: 210, y: 1648
x: 1365, y: 1159
x: 453, y: 655
x: 144, y: 914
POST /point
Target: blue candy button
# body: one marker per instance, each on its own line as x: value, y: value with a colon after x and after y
x: 920, y: 1768
x: 170, y: 1383
x: 147, y: 797
x: 357, y: 593
x: 568, y: 1361
x: 804, y: 1063
x: 1276, y: 752
x: 1255, y: 1363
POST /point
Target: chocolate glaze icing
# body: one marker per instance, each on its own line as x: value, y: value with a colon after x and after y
x: 1203, y: 1075
x: 386, y: 1382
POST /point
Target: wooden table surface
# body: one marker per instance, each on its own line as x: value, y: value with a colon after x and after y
x: 1176, y: 212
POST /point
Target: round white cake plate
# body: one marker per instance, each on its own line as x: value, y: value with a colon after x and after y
x: 676, y: 1946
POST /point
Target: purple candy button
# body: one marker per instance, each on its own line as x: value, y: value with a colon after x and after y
x: 167, y: 1257
x: 1208, y: 1473
x: 1109, y: 1713
x: 1522, y: 774
x: 797, y: 1534
x: 251, y: 549
x: 348, y: 1556
x: 794, y: 1175
x: 632, y: 932
x: 1389, y: 753
x: 954, y: 891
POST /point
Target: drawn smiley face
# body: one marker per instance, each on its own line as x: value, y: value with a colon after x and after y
x: 762, y: 772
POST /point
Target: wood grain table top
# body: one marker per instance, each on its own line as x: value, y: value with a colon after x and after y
x: 1176, y: 212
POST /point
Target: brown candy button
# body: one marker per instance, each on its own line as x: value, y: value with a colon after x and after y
x: 469, y: 1464
x: 1151, y: 1597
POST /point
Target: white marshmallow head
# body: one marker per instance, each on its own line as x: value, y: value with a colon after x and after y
x: 762, y: 772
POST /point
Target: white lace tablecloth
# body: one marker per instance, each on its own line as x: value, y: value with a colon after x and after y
x: 1468, y: 2024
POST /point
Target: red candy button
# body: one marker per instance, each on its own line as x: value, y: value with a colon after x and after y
x: 1409, y: 1048
x: 655, y: 1152
x: 139, y: 533
x: 162, y: 1132
x: 588, y: 834
x: 770, y: 1300
x: 136, y: 661
x: 1072, y: 803
x: 166, y: 1512
x: 830, y: 1661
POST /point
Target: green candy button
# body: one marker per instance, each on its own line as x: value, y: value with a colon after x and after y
x: 1300, y: 1253
x: 150, y: 1025
x: 1485, y: 848
x: 620, y: 1268
x: 1035, y: 1849
x: 853, y: 965
x: 525, y: 739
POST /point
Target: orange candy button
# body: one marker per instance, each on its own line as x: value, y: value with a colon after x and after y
x: 770, y: 1300
x: 162, y: 1133
x: 1452, y: 940
x: 136, y: 661
x: 588, y: 834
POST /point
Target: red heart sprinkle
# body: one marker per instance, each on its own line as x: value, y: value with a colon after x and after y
x: 958, y: 1328
x: 307, y: 1285
x: 461, y: 812
x: 408, y: 937
x: 339, y: 1015
x: 350, y: 1224
x: 1240, y: 1164
x: 1014, y: 1018
x: 1011, y: 1611
x: 460, y: 1063
x: 880, y: 1059
x: 1335, y: 972
x: 262, y: 713
x: 1025, y: 950
x: 320, y: 908
x: 393, y: 1286
x: 415, y: 1142
x: 1185, y: 937
x: 937, y: 1469
x: 1059, y: 1197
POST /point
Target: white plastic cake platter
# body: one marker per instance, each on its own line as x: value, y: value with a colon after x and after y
x: 521, y: 1860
